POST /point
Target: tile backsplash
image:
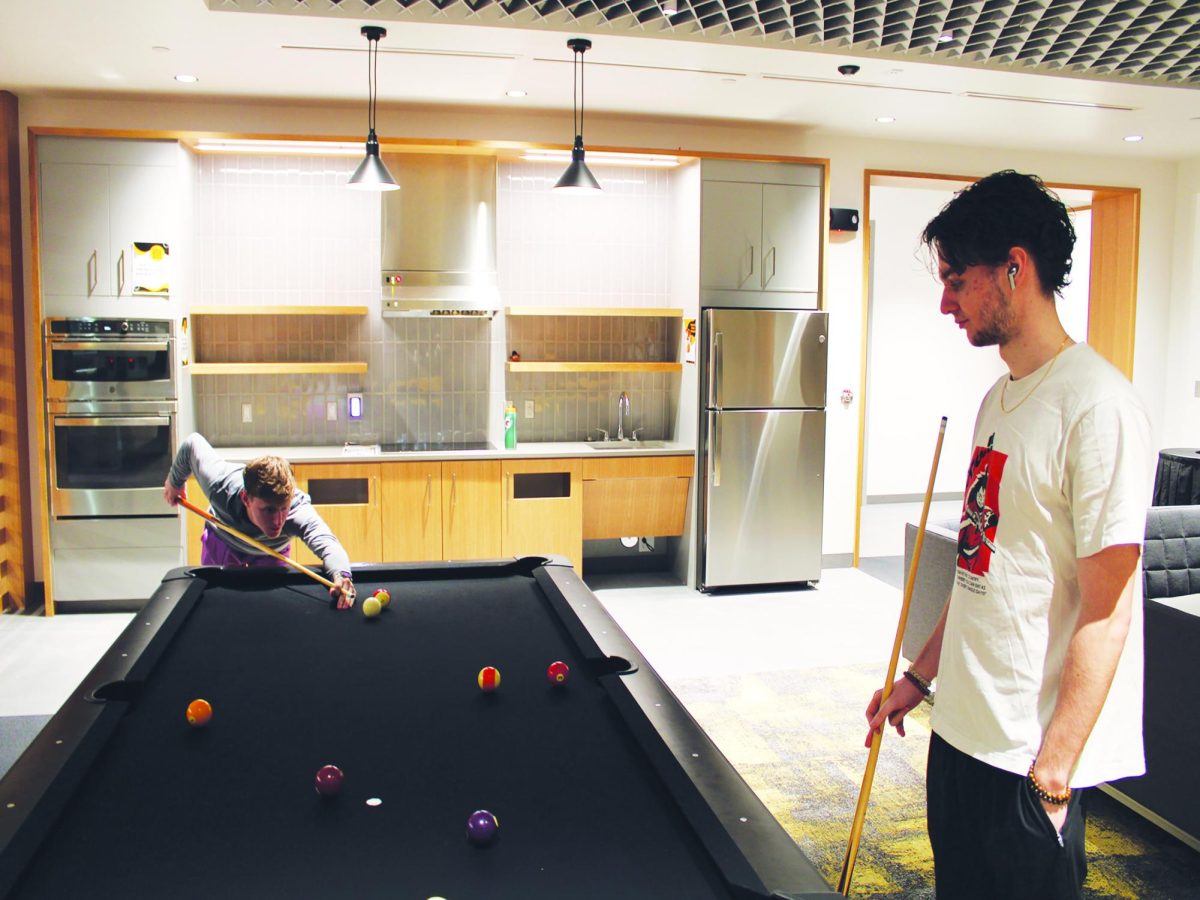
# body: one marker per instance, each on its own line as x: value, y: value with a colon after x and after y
x: 285, y: 231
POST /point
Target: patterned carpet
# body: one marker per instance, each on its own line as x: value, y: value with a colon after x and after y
x: 796, y: 737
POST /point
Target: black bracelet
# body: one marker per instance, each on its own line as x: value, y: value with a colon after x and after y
x: 916, y: 681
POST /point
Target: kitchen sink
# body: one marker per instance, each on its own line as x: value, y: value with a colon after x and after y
x: 627, y: 445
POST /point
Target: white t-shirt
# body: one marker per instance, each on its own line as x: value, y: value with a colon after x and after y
x: 1060, y: 477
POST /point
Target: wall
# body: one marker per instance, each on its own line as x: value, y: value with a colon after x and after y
x: 1165, y: 352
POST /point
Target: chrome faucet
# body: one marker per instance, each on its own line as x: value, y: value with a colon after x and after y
x: 622, y: 412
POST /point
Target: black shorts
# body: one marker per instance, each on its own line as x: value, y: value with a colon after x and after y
x: 991, y: 838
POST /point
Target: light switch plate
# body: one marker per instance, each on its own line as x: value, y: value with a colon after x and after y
x: 529, y: 409
x: 247, y: 413
x: 331, y: 410
x: 1198, y: 388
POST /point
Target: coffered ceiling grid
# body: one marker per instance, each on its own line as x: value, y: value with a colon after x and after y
x: 1147, y: 41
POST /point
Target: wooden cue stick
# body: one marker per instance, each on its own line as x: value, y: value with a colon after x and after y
x: 187, y: 504
x: 864, y: 794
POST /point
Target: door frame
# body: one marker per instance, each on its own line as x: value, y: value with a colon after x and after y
x: 1112, y: 287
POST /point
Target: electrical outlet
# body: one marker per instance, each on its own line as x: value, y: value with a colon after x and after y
x: 247, y: 413
x: 330, y: 410
x: 1198, y: 388
x: 529, y: 409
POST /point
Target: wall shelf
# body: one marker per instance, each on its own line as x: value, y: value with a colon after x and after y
x: 654, y: 311
x: 277, y: 368
x: 613, y: 366
x: 268, y: 310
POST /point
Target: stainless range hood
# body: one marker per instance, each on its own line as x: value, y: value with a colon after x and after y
x: 439, y: 236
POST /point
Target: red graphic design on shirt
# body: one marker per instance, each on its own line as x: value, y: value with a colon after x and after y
x: 981, y: 509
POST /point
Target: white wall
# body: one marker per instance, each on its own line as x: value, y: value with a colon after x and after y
x: 1166, y: 347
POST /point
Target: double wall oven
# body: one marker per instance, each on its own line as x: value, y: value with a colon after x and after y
x: 111, y: 404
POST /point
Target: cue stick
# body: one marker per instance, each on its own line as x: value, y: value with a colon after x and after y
x: 864, y: 795
x: 187, y: 504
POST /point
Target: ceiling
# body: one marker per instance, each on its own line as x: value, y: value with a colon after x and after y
x: 1120, y: 67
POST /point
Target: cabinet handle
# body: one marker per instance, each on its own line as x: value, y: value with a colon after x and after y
x: 453, y: 490
x: 751, y: 272
x: 91, y: 273
x: 767, y: 280
x: 121, y: 273
x: 507, y: 499
x: 428, y: 492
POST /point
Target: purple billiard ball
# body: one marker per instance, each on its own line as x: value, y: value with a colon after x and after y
x: 482, y: 827
x: 329, y: 781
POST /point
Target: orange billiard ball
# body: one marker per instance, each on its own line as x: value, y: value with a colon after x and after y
x: 489, y: 679
x: 199, y: 713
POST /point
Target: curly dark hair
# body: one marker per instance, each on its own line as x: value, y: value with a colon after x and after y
x: 1005, y: 210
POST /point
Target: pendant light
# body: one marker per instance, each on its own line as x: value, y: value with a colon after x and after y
x: 577, y: 179
x: 372, y: 174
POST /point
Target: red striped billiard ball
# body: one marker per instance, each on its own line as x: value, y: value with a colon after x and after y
x: 558, y: 672
x: 489, y: 679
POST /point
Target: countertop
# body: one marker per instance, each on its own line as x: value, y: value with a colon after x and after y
x: 371, y: 453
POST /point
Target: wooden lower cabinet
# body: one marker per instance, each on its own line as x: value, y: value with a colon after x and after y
x: 347, y: 497
x: 411, y: 503
x: 635, y: 496
x: 195, y: 525
x: 471, y: 505
x: 543, y: 508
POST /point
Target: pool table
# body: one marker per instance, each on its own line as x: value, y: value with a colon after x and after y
x: 603, y: 787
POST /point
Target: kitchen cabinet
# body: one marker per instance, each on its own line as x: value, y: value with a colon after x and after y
x: 635, y: 496
x: 90, y: 215
x: 472, y: 501
x: 411, y: 499
x: 760, y: 227
x: 543, y: 508
x: 347, y: 495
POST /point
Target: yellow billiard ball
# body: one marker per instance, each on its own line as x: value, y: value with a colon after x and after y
x: 383, y: 597
x: 371, y: 607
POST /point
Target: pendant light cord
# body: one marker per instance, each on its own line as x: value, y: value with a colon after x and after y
x: 372, y: 80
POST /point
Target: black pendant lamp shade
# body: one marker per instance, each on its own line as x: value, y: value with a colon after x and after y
x: 578, y: 179
x: 372, y: 174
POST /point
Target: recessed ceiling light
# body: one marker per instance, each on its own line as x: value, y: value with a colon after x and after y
x: 669, y: 7
x: 885, y: 120
x: 516, y: 92
x: 1132, y: 138
x: 161, y: 49
x: 186, y: 79
x: 945, y: 37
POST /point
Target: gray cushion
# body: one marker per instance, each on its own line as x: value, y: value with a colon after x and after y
x: 1171, y: 553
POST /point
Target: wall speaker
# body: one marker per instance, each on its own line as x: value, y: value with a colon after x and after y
x: 843, y: 219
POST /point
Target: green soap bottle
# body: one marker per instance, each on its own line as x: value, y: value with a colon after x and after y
x: 510, y: 426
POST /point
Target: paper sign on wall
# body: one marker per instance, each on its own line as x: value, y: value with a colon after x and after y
x: 151, y: 268
x: 689, y: 341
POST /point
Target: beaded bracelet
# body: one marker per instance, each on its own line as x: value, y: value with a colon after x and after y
x: 1034, y: 785
x: 918, y: 681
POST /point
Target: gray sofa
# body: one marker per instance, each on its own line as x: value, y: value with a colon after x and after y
x: 1169, y: 792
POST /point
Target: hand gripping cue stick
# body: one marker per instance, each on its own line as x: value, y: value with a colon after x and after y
x: 186, y: 504
x: 864, y: 794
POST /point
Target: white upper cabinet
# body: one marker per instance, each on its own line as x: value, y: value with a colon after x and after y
x: 760, y: 228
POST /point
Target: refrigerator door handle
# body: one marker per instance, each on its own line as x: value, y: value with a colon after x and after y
x: 716, y: 469
x: 718, y: 374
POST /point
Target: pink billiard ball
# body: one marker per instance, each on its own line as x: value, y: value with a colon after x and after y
x: 329, y: 781
x: 558, y: 673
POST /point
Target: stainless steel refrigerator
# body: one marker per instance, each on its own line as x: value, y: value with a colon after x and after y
x: 762, y: 446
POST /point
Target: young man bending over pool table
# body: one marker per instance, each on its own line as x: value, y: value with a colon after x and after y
x: 261, y: 500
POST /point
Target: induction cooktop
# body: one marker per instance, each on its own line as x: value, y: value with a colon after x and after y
x: 433, y: 446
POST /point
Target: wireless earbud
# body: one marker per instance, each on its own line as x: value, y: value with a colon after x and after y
x: 1012, y: 277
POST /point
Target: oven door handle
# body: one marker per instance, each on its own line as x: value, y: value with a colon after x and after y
x: 111, y: 344
x: 69, y: 421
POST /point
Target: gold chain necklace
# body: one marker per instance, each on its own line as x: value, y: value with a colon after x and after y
x: 1049, y: 369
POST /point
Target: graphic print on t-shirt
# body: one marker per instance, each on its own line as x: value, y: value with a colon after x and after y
x: 981, y: 509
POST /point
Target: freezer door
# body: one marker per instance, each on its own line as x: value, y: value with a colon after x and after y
x: 763, y: 498
x: 765, y: 358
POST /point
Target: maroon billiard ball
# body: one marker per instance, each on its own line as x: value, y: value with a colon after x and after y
x: 558, y: 673
x: 482, y: 827
x: 329, y: 781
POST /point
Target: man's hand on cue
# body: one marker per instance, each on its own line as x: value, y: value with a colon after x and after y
x: 343, y: 592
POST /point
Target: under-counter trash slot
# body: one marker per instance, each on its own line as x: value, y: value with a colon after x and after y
x: 339, y: 491
x: 541, y: 485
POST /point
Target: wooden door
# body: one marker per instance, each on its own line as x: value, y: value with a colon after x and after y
x: 1112, y: 304
x: 543, y: 508
x: 411, y: 504
x: 347, y: 497
x: 472, y: 500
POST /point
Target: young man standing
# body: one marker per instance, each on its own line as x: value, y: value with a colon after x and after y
x: 259, y: 499
x: 1038, y: 653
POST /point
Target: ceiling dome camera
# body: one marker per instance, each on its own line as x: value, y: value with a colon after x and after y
x: 848, y: 69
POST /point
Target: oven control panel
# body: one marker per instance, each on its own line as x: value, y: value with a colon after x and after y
x: 110, y: 327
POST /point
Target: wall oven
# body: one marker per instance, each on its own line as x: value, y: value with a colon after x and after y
x: 110, y: 359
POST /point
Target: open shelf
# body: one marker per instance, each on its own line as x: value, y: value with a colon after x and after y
x: 268, y: 310
x: 613, y: 366
x: 656, y: 311
x: 277, y: 368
